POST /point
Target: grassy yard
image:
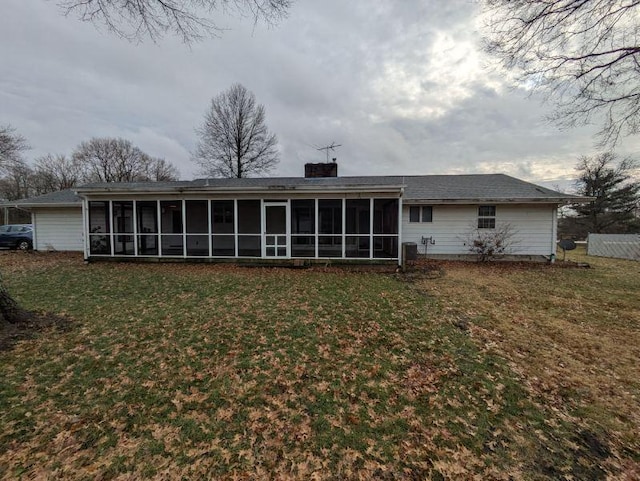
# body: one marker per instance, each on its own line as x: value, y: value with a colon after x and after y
x: 461, y: 371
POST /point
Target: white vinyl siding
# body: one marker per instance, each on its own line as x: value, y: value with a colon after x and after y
x: 58, y: 229
x: 533, y: 226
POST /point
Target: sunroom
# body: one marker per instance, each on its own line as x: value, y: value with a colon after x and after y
x: 329, y: 225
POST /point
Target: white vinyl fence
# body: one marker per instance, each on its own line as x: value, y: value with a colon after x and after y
x: 621, y: 246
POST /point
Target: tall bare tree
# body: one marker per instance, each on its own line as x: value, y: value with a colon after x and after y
x: 57, y: 172
x: 234, y: 139
x: 12, y: 145
x: 188, y: 19
x: 118, y: 160
x: 584, y: 55
x: 616, y: 192
x: 17, y: 182
x: 160, y: 170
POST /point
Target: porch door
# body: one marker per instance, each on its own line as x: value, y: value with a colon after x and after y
x: 275, y: 229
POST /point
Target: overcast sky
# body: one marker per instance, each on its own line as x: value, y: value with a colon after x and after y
x: 403, y: 86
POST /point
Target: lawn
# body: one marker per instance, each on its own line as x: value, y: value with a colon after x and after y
x: 460, y: 371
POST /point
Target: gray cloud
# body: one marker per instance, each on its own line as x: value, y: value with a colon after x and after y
x: 400, y: 84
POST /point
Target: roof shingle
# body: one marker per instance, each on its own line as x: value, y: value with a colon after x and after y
x: 416, y: 187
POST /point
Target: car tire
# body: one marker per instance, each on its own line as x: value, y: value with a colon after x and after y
x: 23, y: 245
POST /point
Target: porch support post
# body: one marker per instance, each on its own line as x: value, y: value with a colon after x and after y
x: 235, y: 224
x: 344, y: 227
x: 110, y: 225
x: 315, y: 205
x: 209, y: 228
x: 400, y: 228
x: 135, y: 229
x: 184, y: 227
x: 263, y: 229
x: 85, y: 227
x: 159, y: 227
x: 371, y: 216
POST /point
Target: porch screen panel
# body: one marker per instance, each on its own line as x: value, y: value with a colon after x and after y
x: 358, y: 221
x: 123, y: 224
x: 147, y: 220
x: 303, y: 228
x: 197, y: 223
x: 99, y: 228
x: 222, y: 225
x: 330, y: 227
x: 249, y: 228
x: 171, y: 226
x: 385, y: 228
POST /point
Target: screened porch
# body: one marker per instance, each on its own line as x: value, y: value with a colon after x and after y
x: 312, y: 228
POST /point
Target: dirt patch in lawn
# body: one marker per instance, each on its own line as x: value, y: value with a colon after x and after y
x: 29, y: 325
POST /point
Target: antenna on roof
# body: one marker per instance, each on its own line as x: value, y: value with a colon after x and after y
x: 328, y: 148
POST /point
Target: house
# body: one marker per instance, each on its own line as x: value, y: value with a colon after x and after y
x: 57, y: 220
x: 317, y: 217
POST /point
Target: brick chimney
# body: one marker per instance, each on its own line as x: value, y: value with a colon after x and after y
x: 322, y: 169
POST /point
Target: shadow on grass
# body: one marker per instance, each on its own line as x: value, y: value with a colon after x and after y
x: 28, y: 325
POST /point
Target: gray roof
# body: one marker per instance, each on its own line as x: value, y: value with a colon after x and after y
x: 59, y: 198
x: 437, y: 188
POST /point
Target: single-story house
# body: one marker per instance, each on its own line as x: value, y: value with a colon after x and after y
x: 57, y: 220
x: 317, y: 217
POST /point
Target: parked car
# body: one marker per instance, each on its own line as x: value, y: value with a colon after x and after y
x: 16, y: 236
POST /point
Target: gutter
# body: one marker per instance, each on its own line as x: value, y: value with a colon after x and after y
x: 25, y: 206
x: 244, y: 190
x: 519, y: 200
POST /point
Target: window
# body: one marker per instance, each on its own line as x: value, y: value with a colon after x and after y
x: 415, y: 212
x: 303, y: 225
x: 197, y: 224
x: 385, y: 228
x: 358, y: 221
x: 330, y: 225
x: 487, y: 217
x: 123, y: 224
x: 249, y: 217
x: 171, y: 243
x: 222, y: 223
x: 249, y: 222
x: 147, y: 218
x: 330, y: 216
x: 385, y: 218
x: 358, y: 218
x: 427, y: 213
x: 99, y: 228
x: 222, y: 216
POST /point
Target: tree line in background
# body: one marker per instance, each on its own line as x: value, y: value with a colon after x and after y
x: 615, y: 187
x: 234, y: 141
x: 96, y: 160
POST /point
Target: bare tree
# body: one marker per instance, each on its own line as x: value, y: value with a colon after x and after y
x: 160, y: 170
x: 12, y: 145
x: 234, y: 139
x: 616, y: 192
x: 12, y: 185
x: 17, y: 181
x: 583, y: 54
x: 189, y: 19
x: 57, y: 172
x: 118, y: 160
